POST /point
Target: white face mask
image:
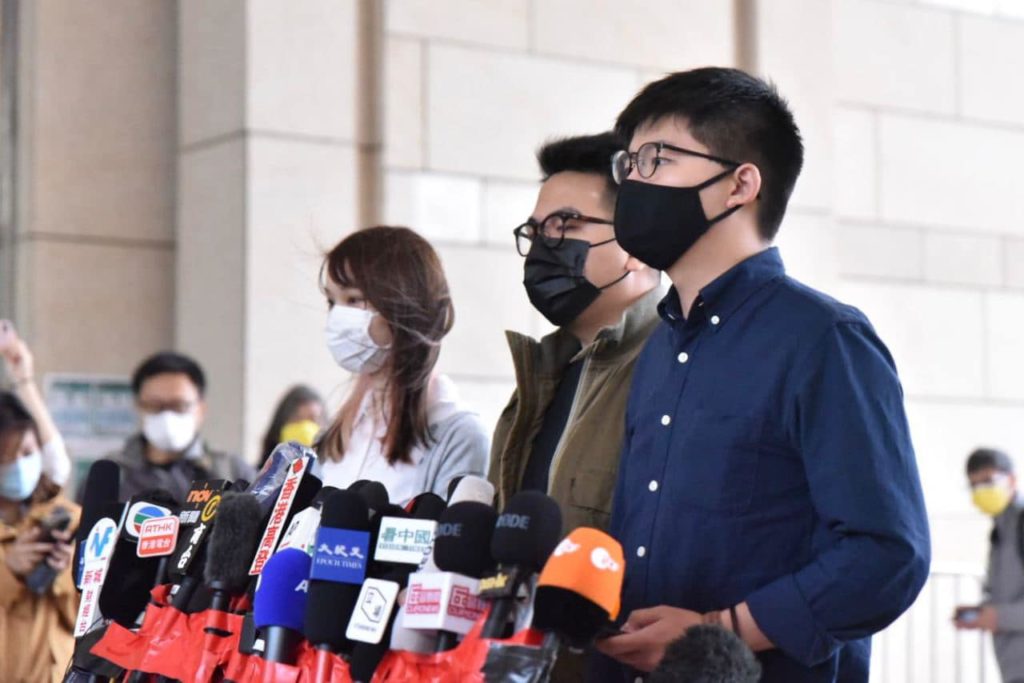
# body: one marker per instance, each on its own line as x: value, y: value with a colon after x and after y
x: 170, y: 431
x: 349, y: 340
x: 19, y: 479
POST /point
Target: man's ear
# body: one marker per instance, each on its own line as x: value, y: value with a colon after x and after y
x: 201, y: 412
x: 746, y: 185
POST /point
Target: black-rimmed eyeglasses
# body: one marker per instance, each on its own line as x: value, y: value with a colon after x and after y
x: 551, y: 229
x: 648, y: 157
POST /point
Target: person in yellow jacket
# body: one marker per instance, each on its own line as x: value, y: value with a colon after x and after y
x: 35, y: 630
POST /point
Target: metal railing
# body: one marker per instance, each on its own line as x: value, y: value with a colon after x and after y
x: 923, y: 647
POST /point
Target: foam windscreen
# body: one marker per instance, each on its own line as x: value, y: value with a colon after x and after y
x: 373, y: 492
x: 470, y: 488
x: 527, y: 531
x: 233, y: 542
x: 283, y: 590
x: 463, y: 541
x: 427, y: 506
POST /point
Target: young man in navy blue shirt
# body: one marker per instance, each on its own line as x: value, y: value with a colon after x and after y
x: 767, y: 482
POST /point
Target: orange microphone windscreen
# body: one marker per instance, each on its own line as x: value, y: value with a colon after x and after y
x: 589, y: 563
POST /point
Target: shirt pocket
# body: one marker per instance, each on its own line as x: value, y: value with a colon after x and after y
x: 592, y: 490
x: 715, y: 466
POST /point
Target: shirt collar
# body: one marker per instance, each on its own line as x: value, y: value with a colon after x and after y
x: 719, y: 299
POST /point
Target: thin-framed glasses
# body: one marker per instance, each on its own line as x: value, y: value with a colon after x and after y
x: 551, y: 229
x: 648, y: 157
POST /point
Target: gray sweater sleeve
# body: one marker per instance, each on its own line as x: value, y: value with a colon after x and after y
x: 462, y: 447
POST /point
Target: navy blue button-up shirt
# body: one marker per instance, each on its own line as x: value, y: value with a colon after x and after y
x: 768, y: 459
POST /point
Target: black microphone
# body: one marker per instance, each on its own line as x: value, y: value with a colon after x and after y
x: 280, y: 605
x: 185, y: 567
x: 373, y: 492
x: 335, y: 575
x: 707, y: 654
x: 525, y: 535
x: 232, y: 546
x: 427, y: 506
x: 130, y: 578
x: 102, y: 485
x: 388, y: 525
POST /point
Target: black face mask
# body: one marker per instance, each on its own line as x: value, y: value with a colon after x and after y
x: 658, y: 224
x: 555, y: 282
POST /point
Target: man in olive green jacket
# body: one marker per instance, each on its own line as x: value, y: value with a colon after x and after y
x: 562, y: 432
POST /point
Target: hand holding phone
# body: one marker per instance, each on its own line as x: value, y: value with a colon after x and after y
x: 967, y: 616
x: 59, y: 519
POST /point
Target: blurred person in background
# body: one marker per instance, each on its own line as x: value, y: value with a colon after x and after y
x: 298, y: 417
x: 561, y: 432
x: 35, y: 629
x: 20, y: 365
x: 994, y: 492
x: 388, y: 308
x: 169, y: 451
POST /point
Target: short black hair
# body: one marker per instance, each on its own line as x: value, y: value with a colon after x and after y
x: 168, y: 362
x: 989, y: 459
x: 582, y: 154
x: 738, y: 117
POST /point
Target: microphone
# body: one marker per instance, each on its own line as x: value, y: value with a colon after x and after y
x: 470, y: 488
x: 426, y: 506
x: 400, y: 543
x: 276, y: 470
x: 578, y: 592
x: 524, y: 536
x: 96, y: 554
x: 185, y: 567
x: 373, y: 492
x: 707, y: 654
x: 279, y: 607
x: 445, y: 601
x: 130, y: 578
x: 337, y: 572
x: 232, y: 546
x: 298, y: 490
x: 102, y: 485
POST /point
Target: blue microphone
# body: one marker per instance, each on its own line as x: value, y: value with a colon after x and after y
x: 279, y: 608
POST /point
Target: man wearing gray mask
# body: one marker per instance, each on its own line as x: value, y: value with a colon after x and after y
x: 169, y: 452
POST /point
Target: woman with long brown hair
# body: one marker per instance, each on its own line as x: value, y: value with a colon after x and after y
x: 402, y: 425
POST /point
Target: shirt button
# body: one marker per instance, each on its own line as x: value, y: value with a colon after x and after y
x: 641, y: 551
x: 666, y: 420
x: 715, y: 320
x: 683, y: 357
x: 653, y: 486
